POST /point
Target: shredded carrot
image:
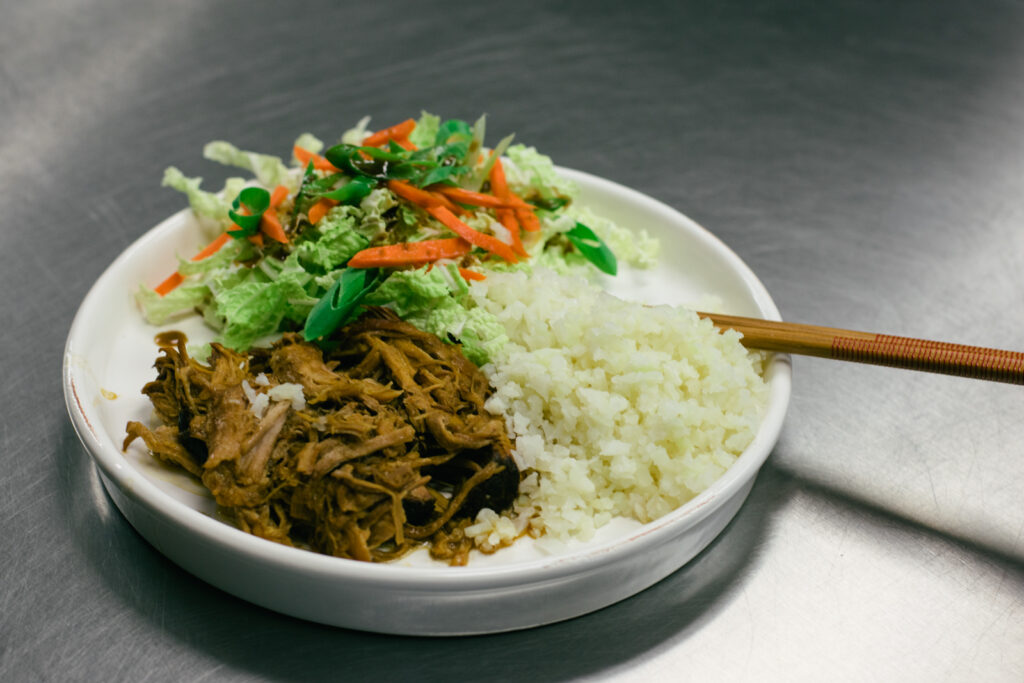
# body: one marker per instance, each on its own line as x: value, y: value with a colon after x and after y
x: 177, y: 278
x: 499, y: 185
x: 464, y: 196
x: 404, y: 143
x: 278, y: 196
x: 395, y: 132
x: 485, y: 242
x: 468, y: 274
x: 507, y: 217
x: 421, y: 197
x: 528, y: 219
x: 414, y: 194
x: 410, y: 253
x: 270, y: 225
x: 304, y: 156
x: 169, y: 284
x: 320, y: 209
x: 213, y: 247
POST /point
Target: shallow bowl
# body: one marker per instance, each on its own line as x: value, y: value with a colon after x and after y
x: 109, y: 356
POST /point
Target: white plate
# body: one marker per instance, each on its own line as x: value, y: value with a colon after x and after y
x: 109, y: 356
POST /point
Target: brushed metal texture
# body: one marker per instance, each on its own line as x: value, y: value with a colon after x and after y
x: 866, y: 160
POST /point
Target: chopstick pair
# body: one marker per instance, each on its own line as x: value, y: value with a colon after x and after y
x: 976, y: 362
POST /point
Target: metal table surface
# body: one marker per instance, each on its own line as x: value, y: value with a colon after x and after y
x: 866, y: 159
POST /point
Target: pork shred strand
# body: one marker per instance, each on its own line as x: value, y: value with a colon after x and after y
x: 392, y: 448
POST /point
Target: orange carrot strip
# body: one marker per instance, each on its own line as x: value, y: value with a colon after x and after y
x: 213, y: 247
x: 499, y: 185
x: 304, y: 156
x: 464, y: 196
x: 414, y: 194
x: 485, y: 242
x: 278, y: 196
x: 270, y: 225
x: 404, y: 143
x: 169, y: 284
x: 177, y: 278
x: 507, y: 217
x: 399, y: 130
x: 528, y: 219
x: 320, y: 209
x: 410, y: 253
x: 468, y: 274
x: 421, y: 197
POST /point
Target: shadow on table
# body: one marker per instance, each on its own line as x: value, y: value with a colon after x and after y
x: 997, y: 547
x: 249, y: 638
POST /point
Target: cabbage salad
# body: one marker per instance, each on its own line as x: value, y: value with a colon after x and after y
x: 404, y: 217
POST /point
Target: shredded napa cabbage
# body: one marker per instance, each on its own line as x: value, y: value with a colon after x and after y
x: 269, y: 170
x: 249, y: 294
x: 436, y: 301
x: 209, y: 205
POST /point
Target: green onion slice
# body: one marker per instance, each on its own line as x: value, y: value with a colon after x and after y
x: 593, y: 249
x: 256, y: 200
x: 351, y: 192
x: 341, y: 302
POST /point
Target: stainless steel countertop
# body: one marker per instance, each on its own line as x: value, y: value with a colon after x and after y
x: 865, y: 159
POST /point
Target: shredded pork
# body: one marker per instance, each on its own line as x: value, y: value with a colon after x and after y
x: 392, y: 448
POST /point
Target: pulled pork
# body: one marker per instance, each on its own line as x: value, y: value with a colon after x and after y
x: 386, y: 447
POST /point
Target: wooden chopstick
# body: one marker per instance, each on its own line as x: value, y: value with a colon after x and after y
x: 878, y: 349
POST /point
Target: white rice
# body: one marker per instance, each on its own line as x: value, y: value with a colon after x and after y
x: 621, y: 410
x: 260, y: 401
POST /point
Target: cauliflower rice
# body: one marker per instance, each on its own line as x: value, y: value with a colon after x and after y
x: 617, y: 409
